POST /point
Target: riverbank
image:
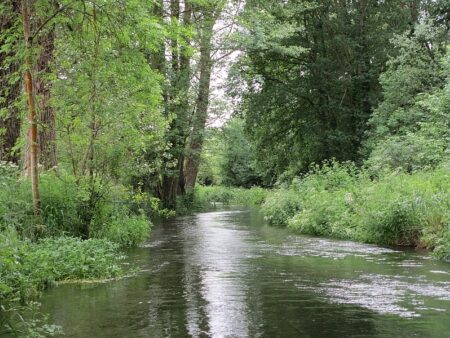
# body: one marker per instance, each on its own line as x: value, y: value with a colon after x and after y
x: 28, y: 268
x: 344, y: 202
x: 81, y: 230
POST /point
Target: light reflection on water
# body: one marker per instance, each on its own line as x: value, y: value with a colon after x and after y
x: 225, y: 274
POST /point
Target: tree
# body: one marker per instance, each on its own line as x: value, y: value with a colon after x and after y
x: 410, y: 128
x: 310, y: 73
x: 177, y: 73
x: 210, y: 16
x: 32, y: 118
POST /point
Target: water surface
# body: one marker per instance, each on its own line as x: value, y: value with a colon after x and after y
x: 227, y: 274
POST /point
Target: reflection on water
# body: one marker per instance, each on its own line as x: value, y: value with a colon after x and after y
x: 221, y: 284
x: 226, y: 274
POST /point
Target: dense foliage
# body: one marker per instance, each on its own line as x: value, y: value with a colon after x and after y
x: 342, y: 107
x: 229, y: 157
x: 311, y: 78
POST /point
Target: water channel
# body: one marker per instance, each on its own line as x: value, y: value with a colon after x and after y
x: 226, y: 274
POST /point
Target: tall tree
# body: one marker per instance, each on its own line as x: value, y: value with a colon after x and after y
x: 311, y: 74
x: 32, y: 116
x: 47, y: 118
x: 179, y: 75
x: 202, y: 101
x: 210, y: 14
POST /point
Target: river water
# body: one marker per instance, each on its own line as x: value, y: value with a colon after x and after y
x: 227, y: 274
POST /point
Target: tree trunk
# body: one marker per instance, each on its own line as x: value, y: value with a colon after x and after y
x: 31, y: 109
x: 172, y: 183
x: 10, y: 90
x: 45, y: 119
x: 47, y: 132
x: 202, y: 103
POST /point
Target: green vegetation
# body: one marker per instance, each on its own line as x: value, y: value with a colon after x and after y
x: 376, y: 122
x: 342, y: 108
x: 36, y: 256
x: 27, y: 268
x: 205, y: 196
x: 337, y: 200
x: 68, y: 210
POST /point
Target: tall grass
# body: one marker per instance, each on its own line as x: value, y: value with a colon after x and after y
x: 27, y: 268
x: 337, y: 200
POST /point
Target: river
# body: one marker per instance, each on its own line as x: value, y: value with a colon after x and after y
x: 227, y: 274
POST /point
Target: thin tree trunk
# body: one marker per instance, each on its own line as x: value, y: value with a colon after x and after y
x: 202, y: 104
x: 184, y: 107
x: 47, y: 124
x: 31, y: 110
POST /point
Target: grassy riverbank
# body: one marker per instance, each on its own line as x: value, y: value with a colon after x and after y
x: 27, y: 268
x: 341, y: 201
x: 82, y: 227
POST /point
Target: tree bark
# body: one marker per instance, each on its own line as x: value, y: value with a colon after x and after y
x: 45, y: 118
x: 31, y: 109
x: 47, y: 123
x: 202, y: 104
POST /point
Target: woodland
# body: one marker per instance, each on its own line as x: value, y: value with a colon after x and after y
x: 331, y: 116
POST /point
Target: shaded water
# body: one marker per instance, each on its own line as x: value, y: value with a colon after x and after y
x: 226, y: 274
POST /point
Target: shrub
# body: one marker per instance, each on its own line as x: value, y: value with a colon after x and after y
x: 442, y: 246
x: 62, y: 205
x: 395, y: 209
x: 399, y: 209
x: 15, y: 202
x: 71, y: 207
x: 328, y: 196
x: 126, y: 230
x: 410, y: 152
x: 281, y: 205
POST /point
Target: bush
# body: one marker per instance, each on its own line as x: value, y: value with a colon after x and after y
x: 15, y: 202
x: 62, y: 205
x: 126, y: 230
x: 281, y: 205
x: 442, y: 245
x: 408, y: 153
x: 327, y: 199
x: 75, y: 208
x: 399, y: 208
x: 339, y: 201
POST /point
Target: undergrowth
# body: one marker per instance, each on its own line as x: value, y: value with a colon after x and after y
x: 337, y: 200
x: 27, y: 268
x: 205, y: 196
